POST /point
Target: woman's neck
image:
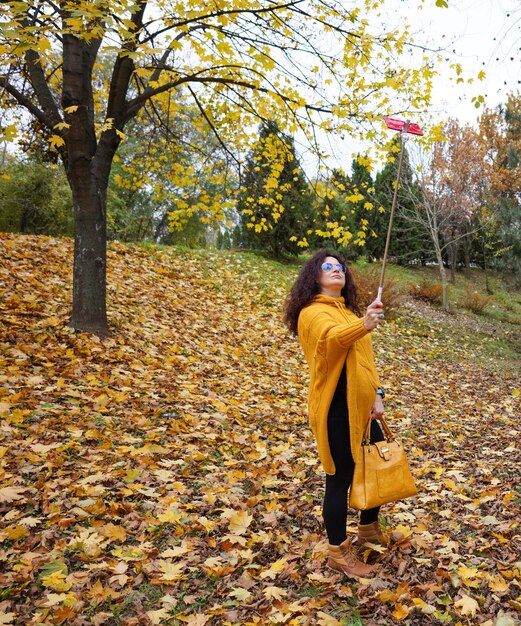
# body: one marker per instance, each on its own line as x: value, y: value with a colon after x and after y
x: 332, y: 293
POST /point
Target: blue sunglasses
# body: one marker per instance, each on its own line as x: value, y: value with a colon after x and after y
x: 327, y: 267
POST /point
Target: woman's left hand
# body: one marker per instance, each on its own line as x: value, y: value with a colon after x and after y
x: 378, y: 407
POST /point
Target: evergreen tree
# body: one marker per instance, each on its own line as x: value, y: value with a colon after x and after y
x: 366, y: 217
x: 334, y: 210
x: 499, y: 241
x: 509, y: 199
x: 275, y: 201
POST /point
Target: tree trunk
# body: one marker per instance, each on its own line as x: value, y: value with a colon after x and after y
x: 89, y: 311
x: 453, y: 259
x: 88, y: 183
x: 445, y: 289
x: 485, y: 268
x: 467, y: 245
x: 444, y: 282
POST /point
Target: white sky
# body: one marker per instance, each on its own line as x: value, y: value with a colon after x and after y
x: 483, y: 35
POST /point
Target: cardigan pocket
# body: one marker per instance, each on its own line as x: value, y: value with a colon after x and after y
x: 317, y: 382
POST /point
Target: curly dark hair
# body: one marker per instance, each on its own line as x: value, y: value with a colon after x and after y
x: 306, y: 287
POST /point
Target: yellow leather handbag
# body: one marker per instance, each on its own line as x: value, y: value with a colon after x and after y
x: 382, y: 474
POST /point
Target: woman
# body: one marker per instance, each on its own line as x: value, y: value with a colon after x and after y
x: 322, y: 309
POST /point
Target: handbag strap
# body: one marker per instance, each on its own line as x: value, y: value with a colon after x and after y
x: 388, y: 434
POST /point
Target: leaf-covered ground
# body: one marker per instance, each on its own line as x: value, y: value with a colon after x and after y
x: 167, y: 475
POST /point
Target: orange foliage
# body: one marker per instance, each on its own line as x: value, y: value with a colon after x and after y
x: 427, y: 291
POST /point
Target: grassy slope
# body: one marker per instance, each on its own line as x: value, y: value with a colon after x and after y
x: 496, y: 331
x: 167, y: 474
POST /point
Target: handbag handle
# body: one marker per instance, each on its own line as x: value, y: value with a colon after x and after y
x: 385, y: 427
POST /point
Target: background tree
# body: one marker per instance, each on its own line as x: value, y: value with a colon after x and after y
x: 335, y: 221
x: 238, y: 61
x: 450, y: 189
x: 466, y: 181
x: 275, y: 201
x: 428, y: 212
x: 35, y: 198
x: 364, y: 204
x: 364, y: 217
x: 500, y: 132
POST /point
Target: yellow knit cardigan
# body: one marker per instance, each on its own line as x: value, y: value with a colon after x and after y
x: 330, y: 335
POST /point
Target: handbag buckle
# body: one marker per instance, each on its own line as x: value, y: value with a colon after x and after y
x: 384, y: 452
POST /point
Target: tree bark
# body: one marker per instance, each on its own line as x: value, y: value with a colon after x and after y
x: 453, y: 260
x: 89, y: 311
x: 467, y: 245
x: 89, y: 190
x: 443, y: 276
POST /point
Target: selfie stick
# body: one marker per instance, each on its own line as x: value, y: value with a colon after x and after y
x: 404, y: 128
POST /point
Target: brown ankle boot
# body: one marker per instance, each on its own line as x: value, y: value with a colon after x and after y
x: 342, y: 560
x: 373, y: 533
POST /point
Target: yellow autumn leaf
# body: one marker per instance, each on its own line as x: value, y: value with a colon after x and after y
x: 318, y: 577
x: 239, y: 522
x: 400, y: 611
x: 324, y: 619
x: 206, y: 523
x: 450, y: 484
x: 470, y: 576
x: 405, y: 529
x: 16, y: 532
x: 10, y: 132
x: 241, y: 594
x: 142, y: 72
x: 55, y: 141
x: 215, y: 566
x: 425, y: 608
x: 11, y: 494
x: 156, y: 617
x: 98, y: 593
x: 467, y: 605
x: 53, y: 599
x: 171, y: 572
x: 108, y: 124
x: 175, y: 552
x: 275, y: 568
x: 56, y: 581
x: 41, y: 448
x: 219, y: 405
x: 497, y: 583
x: 275, y: 593
x: 30, y: 522
x: 112, y: 532
x: 387, y: 596
x: 169, y: 517
x: 75, y: 24
x: 129, y: 554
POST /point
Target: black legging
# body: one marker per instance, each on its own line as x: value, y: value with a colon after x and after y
x: 335, y: 499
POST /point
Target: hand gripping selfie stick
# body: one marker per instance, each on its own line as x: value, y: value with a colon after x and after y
x: 404, y: 128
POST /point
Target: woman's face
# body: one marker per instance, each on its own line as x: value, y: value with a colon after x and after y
x: 331, y: 277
